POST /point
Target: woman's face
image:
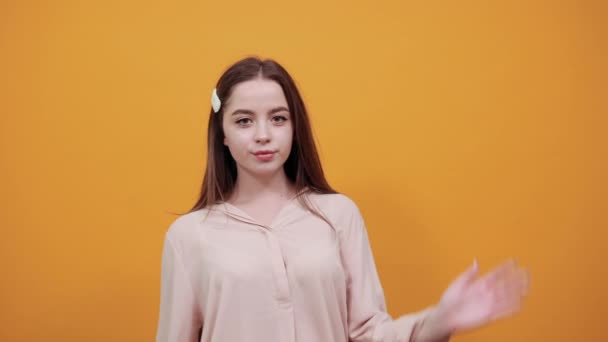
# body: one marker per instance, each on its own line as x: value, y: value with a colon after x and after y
x: 257, y: 127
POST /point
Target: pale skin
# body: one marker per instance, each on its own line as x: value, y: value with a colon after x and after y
x: 257, y: 118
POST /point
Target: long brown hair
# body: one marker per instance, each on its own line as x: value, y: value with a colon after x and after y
x: 302, y: 167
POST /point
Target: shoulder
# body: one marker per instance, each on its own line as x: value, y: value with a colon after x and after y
x: 185, y: 228
x: 338, y: 207
x: 338, y: 201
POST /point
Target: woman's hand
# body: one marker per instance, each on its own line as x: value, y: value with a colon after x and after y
x: 471, y: 302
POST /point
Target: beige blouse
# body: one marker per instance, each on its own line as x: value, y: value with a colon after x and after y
x: 294, y: 280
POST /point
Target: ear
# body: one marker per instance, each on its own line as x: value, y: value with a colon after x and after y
x: 225, y: 141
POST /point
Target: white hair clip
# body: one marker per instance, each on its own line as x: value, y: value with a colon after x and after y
x: 215, y: 101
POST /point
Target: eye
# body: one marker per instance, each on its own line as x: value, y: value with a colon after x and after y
x: 279, y: 118
x: 243, y: 121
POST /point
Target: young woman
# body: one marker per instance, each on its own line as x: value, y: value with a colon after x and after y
x: 271, y: 253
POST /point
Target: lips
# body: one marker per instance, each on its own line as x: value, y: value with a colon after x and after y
x: 265, y: 152
x: 264, y: 156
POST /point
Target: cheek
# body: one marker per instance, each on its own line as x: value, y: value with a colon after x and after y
x: 287, y: 134
x: 238, y: 144
x: 237, y: 152
x: 226, y: 134
x: 289, y: 140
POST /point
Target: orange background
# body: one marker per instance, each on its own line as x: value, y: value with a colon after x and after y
x: 461, y: 128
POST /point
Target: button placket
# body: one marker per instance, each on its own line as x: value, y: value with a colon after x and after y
x: 279, y: 269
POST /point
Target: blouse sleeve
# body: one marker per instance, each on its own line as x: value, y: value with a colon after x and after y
x: 179, y: 319
x: 368, y: 320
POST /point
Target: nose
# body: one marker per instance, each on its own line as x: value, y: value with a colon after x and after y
x: 262, y: 133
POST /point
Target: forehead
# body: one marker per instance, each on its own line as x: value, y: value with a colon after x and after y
x: 257, y: 93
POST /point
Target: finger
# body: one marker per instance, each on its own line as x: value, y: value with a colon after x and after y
x: 508, y: 298
x: 525, y: 282
x: 506, y: 308
x: 514, y: 285
x: 468, y: 275
x: 499, y: 272
x: 519, y: 282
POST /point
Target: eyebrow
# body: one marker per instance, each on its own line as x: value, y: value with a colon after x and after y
x: 250, y: 112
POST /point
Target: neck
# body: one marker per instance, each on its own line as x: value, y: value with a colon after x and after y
x: 249, y: 188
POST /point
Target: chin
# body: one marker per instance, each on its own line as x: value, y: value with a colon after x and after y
x: 268, y: 170
x: 265, y: 169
